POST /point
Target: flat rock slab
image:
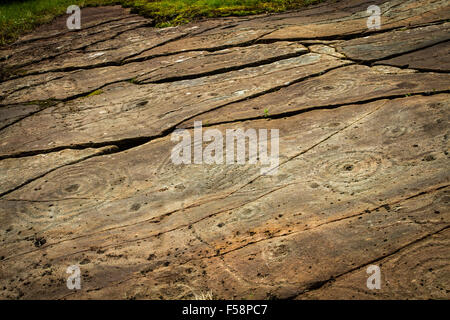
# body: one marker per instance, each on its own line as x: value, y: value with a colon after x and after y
x: 401, y: 271
x: 92, y: 17
x: 208, y: 40
x: 394, y: 14
x: 79, y: 59
x: 46, y: 48
x: 204, y: 63
x: 344, y: 85
x: 385, y: 45
x: 88, y: 124
x: 18, y: 172
x: 60, y: 86
x: 14, y: 113
x: 151, y: 108
x: 434, y: 58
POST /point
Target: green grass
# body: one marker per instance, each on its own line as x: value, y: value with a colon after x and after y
x: 19, y: 17
x: 174, y: 12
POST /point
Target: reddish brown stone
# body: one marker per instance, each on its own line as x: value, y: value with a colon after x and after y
x: 362, y: 176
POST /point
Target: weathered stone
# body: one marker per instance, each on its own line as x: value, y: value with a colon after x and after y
x: 389, y: 44
x: 317, y: 14
x: 126, y: 41
x: 362, y: 175
x: 94, y: 20
x: 435, y: 58
x: 190, y: 64
x: 325, y: 49
x: 409, y: 274
x: 92, y: 17
x: 78, y: 59
x: 152, y: 109
x: 394, y: 14
x: 10, y: 86
x: 345, y: 85
x: 215, y: 39
x: 14, y: 113
x: 17, y: 172
x: 225, y: 60
x: 314, y: 196
x: 45, y: 49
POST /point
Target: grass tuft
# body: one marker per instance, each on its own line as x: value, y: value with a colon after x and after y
x: 95, y: 93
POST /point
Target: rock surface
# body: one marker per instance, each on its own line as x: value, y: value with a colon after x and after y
x: 87, y: 121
